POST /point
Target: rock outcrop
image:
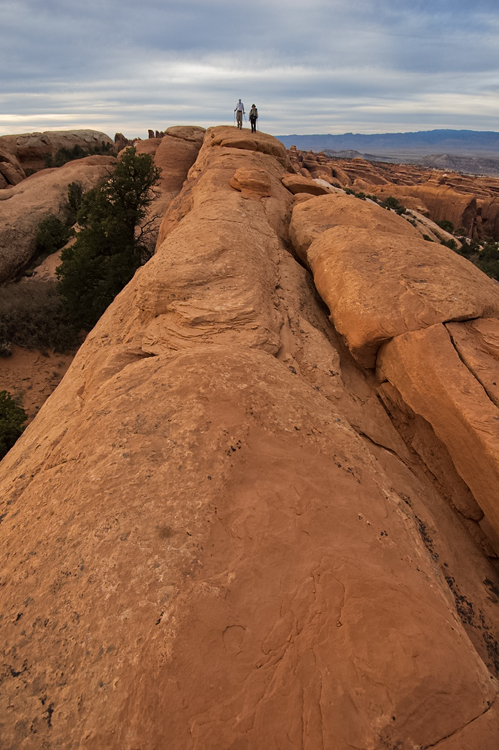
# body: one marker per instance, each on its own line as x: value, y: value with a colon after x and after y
x: 32, y: 149
x: 11, y: 172
x: 24, y: 206
x: 221, y: 531
x: 470, y: 202
x: 174, y: 153
x: 379, y: 277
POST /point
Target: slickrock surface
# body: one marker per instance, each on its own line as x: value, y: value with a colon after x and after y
x: 215, y: 536
x: 31, y: 149
x: 24, y: 206
x: 311, y: 219
x: 470, y: 202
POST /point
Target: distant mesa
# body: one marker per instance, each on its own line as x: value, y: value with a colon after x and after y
x: 426, y: 141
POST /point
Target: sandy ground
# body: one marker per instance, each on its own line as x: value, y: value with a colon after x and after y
x: 46, y: 270
x: 32, y: 376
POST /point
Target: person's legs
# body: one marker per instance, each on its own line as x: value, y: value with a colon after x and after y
x: 239, y: 118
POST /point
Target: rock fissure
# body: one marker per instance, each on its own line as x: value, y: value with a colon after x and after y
x: 457, y: 731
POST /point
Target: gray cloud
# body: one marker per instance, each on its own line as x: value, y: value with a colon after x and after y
x: 324, y: 66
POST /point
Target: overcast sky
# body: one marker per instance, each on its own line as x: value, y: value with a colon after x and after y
x: 311, y: 66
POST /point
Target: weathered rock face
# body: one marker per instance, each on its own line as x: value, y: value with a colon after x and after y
x: 31, y: 149
x: 215, y: 536
x: 11, y: 172
x: 434, y: 381
x: 298, y: 184
x: 174, y: 154
x: 378, y: 276
x: 311, y: 219
x: 23, y: 207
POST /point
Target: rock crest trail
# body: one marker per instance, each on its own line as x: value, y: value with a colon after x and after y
x: 221, y: 530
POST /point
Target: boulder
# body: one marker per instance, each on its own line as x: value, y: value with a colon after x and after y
x: 433, y: 380
x: 252, y: 183
x: 380, y: 285
x: 187, y: 133
x: 31, y: 149
x: 150, y: 146
x: 297, y: 183
x: 24, y: 206
x: 309, y: 221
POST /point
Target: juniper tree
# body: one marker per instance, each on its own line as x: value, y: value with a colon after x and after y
x: 110, y: 245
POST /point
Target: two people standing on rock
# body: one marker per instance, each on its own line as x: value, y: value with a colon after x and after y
x: 253, y: 115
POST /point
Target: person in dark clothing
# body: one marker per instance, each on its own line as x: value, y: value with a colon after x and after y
x: 253, y: 115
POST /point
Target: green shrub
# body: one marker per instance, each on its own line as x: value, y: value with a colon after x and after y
x: 65, y: 155
x: 392, y: 203
x: 107, y: 251
x: 75, y: 198
x: 446, y: 225
x: 34, y: 316
x: 52, y: 234
x: 488, y: 259
x: 12, y: 419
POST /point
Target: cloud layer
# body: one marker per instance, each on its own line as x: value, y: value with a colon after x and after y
x: 324, y: 66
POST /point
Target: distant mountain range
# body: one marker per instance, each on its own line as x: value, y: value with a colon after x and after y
x: 460, y: 142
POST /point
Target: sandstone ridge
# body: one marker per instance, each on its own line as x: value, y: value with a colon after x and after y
x: 31, y: 149
x: 25, y: 205
x: 240, y: 521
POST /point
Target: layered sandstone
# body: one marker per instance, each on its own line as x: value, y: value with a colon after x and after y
x: 32, y: 149
x: 215, y: 536
x: 174, y: 153
x: 25, y: 205
x: 379, y: 277
x: 11, y: 172
x: 470, y: 202
x: 433, y: 380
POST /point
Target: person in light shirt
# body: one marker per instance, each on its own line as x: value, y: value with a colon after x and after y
x: 239, y: 110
